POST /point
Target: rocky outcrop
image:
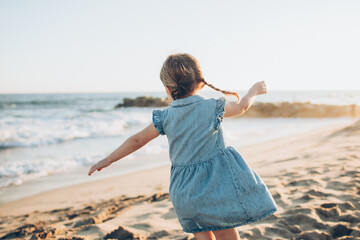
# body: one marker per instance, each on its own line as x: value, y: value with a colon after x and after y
x: 305, y: 110
x: 144, y: 101
x: 267, y: 109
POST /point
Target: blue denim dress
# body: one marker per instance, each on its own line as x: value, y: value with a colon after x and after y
x: 211, y: 185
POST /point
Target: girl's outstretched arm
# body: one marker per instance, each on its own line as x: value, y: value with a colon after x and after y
x: 234, y: 108
x: 130, y: 145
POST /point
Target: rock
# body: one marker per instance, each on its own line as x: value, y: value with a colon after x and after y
x: 144, y: 101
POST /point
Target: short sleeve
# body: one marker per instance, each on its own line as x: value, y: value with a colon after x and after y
x: 157, y: 119
x: 219, y: 112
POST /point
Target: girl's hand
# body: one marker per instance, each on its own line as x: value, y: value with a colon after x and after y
x: 99, y: 165
x: 258, y: 88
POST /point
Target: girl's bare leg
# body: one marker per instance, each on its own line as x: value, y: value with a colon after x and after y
x: 204, y: 235
x: 228, y: 234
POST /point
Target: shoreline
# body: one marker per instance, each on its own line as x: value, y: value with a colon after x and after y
x: 250, y: 154
x: 139, y: 162
x: 79, y: 176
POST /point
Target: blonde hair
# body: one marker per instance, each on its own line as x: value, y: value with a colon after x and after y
x: 183, y: 74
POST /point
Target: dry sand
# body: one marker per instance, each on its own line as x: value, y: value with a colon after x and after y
x: 314, y: 178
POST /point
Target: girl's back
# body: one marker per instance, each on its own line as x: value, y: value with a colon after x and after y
x: 192, y: 126
x: 211, y: 186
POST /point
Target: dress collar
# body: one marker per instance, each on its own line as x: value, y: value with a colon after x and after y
x: 186, y: 101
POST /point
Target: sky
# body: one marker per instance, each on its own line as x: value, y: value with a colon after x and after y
x: 73, y: 46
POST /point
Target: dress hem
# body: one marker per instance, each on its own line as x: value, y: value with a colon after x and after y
x: 231, y: 226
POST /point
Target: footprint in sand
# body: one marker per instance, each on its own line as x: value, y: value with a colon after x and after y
x: 305, y: 222
x: 159, y: 234
x: 255, y: 233
x: 286, y: 160
x: 343, y: 206
x: 99, y: 217
x: 143, y: 216
x: 350, y: 218
x: 33, y: 231
x: 124, y: 233
x: 314, y: 234
x: 327, y: 214
x: 340, y: 230
x: 326, y: 179
x: 276, y: 232
x: 339, y: 186
x: 314, y: 172
x: 304, y: 183
x: 303, y: 199
x: 318, y: 193
x: 279, y: 199
x: 352, y: 173
x: 170, y: 214
x: 297, y: 210
x: 72, y: 238
x: 142, y: 226
x: 284, y: 224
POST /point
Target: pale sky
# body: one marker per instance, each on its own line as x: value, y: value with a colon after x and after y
x: 116, y: 46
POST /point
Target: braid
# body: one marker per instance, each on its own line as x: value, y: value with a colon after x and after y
x: 222, y: 91
x: 174, y: 93
x: 179, y: 92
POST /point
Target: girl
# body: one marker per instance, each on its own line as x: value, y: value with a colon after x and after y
x: 212, y: 188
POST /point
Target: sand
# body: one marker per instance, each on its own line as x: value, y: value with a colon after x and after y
x: 314, y: 178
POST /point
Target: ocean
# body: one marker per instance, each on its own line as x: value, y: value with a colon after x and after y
x: 49, y: 141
